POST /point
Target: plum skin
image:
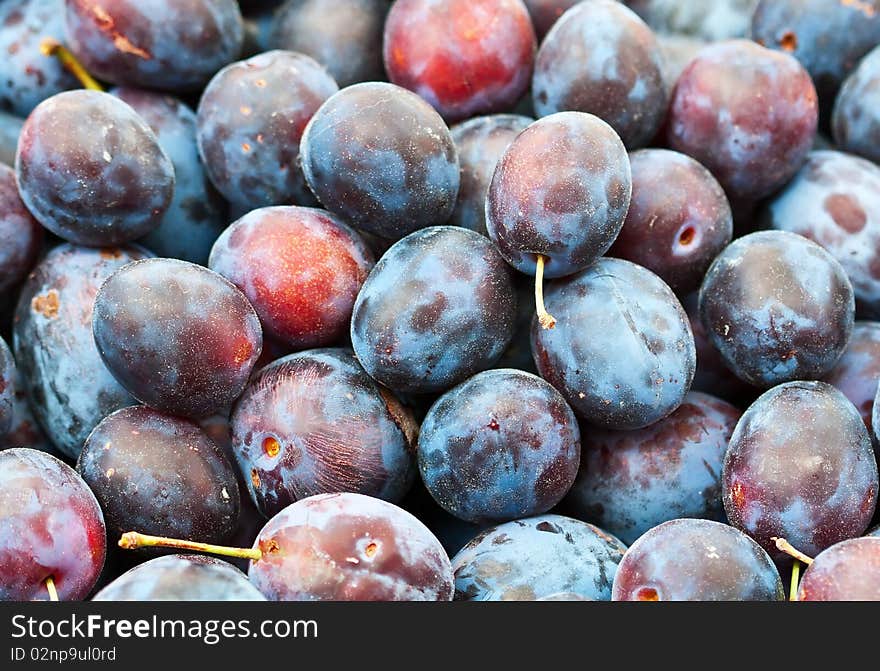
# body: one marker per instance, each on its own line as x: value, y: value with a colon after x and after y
x: 503, y: 445
x: 376, y: 552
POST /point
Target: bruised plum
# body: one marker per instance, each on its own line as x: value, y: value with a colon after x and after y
x: 51, y: 527
x: 345, y: 36
x: 800, y: 466
x: 622, y: 352
x: 179, y: 337
x: 696, y: 560
x: 721, y: 115
x: 465, y: 57
x: 778, y: 308
x: 349, y: 547
x: 481, y: 142
x: 300, y: 268
x: 181, y: 578
x: 173, y: 45
x: 847, y: 571
x: 250, y: 121
x: 381, y: 158
x: 21, y: 236
x: 560, y: 191
x: 501, y: 446
x: 858, y: 370
x: 27, y: 77
x: 161, y: 475
x: 197, y: 214
x: 91, y: 170
x: 316, y: 423
x: 601, y: 58
x: 679, y: 219
x: 631, y: 481
x: 438, y: 307
x: 537, y: 557
x: 69, y: 387
x: 835, y: 201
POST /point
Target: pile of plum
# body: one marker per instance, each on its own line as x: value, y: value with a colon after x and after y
x: 433, y: 299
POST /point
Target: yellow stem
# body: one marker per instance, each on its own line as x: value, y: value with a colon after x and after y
x: 795, y: 581
x: 133, y: 540
x: 545, y: 318
x: 784, y: 546
x: 50, y: 587
x: 52, y: 47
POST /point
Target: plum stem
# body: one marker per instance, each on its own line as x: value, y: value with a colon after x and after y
x: 132, y: 540
x: 50, y: 587
x: 52, y: 47
x: 795, y: 581
x: 784, y: 546
x: 545, y: 318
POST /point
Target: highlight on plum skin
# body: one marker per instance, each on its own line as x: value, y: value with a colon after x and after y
x: 465, y: 57
x: 91, y: 170
x: 631, y: 481
x: 315, y: 423
x: 181, y: 578
x: 501, y: 446
x: 377, y: 552
x: 160, y: 474
x: 300, y: 268
x: 529, y: 559
x: 200, y: 359
x: 800, y: 466
x: 51, y: 527
x: 696, y: 560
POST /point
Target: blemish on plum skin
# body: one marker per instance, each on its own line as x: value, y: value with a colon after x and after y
x: 271, y: 446
x: 493, y: 424
x: 647, y: 594
x: 46, y: 304
x: 371, y: 549
x: 255, y: 478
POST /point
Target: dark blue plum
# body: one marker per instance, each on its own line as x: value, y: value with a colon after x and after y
x: 778, y: 308
x: 858, y: 370
x: 21, y: 236
x: 537, y: 557
x: 181, y: 338
x: 800, y: 466
x: 27, y: 77
x: 835, y: 201
x: 69, y: 387
x: 91, y: 171
x: 10, y: 129
x: 7, y: 388
x: 438, y: 307
x: 250, y: 121
x: 623, y: 353
x: 828, y: 38
x: 631, y: 481
x: 171, y: 45
x: 501, y: 446
x: 696, y: 560
x: 197, y: 213
x: 160, y: 475
x: 345, y: 36
x: 480, y: 143
x: 381, y: 158
x: 181, y: 578
x: 601, y: 58
x: 316, y: 423
x: 855, y: 122
x: 720, y: 115
x: 561, y: 191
